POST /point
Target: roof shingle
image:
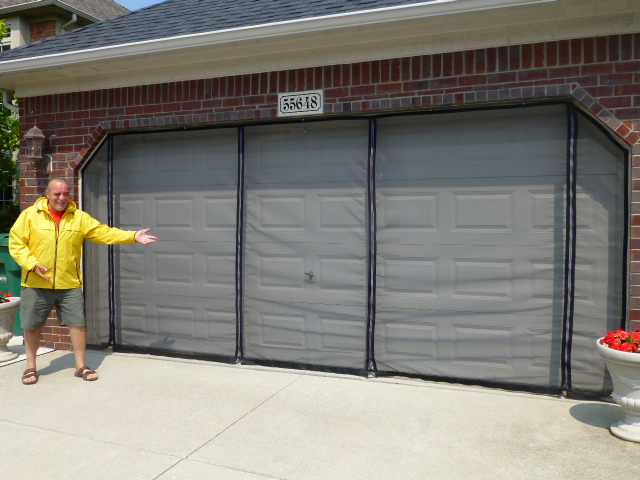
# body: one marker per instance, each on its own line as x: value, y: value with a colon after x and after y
x: 174, y: 18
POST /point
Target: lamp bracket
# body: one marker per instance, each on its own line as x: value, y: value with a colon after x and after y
x: 46, y: 163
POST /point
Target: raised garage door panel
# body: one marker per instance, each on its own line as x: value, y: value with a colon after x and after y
x: 179, y: 293
x: 305, y: 243
x: 95, y: 258
x: 599, y: 281
x: 470, y: 244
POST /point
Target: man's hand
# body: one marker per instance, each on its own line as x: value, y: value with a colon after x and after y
x: 40, y: 270
x: 142, y: 237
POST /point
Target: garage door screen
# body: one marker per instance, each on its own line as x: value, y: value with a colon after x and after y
x: 482, y: 245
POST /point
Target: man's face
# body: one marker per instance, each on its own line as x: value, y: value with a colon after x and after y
x: 58, y: 196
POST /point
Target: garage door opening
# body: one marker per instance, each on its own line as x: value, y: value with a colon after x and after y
x: 486, y: 246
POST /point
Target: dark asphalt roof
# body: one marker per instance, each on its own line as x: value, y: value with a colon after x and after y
x: 182, y: 17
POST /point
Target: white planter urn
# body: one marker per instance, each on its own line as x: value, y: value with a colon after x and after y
x: 624, y: 368
x: 8, y: 312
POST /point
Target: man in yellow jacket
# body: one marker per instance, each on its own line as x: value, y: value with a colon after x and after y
x: 46, y: 241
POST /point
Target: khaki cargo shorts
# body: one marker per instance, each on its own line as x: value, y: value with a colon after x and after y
x: 36, y: 305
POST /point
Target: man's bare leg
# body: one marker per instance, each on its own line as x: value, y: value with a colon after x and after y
x: 31, y: 345
x: 79, y: 343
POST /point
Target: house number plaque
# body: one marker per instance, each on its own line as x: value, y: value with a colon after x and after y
x: 301, y: 103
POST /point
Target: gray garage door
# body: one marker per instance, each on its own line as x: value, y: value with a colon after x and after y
x: 471, y: 210
x: 470, y: 240
x: 471, y: 245
x: 177, y: 294
x: 305, y: 245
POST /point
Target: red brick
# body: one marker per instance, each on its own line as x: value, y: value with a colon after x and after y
x: 564, y: 53
x: 616, y: 78
x: 385, y: 71
x: 469, y: 64
x: 597, y: 69
x: 231, y: 102
x: 623, y: 131
x: 576, y: 51
x: 533, y: 75
x: 552, y: 54
x: 447, y: 65
x: 626, y: 47
x: 436, y: 65
x: 336, y: 92
x: 615, y: 102
x: 626, y: 114
x: 514, y: 57
x: 491, y: 65
x: 363, y: 90
x: 629, y: 89
x: 193, y: 105
x: 375, y: 72
x: 633, y: 138
x: 614, y: 48
x: 480, y: 61
x: 365, y: 73
x: 390, y: 87
x: 503, y: 59
x: 602, y: 46
x: 356, y: 74
x: 539, y: 59
x: 406, y: 69
x: 458, y: 63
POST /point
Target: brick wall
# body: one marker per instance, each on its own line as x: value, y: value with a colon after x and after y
x: 602, y: 75
x: 42, y: 30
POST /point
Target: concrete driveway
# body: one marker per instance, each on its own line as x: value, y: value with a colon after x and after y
x: 164, y: 418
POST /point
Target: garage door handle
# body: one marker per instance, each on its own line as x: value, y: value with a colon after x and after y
x: 311, y: 274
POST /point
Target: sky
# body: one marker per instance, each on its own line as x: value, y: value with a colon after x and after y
x: 137, y: 4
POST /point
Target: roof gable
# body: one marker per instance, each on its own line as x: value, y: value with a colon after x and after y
x: 101, y: 9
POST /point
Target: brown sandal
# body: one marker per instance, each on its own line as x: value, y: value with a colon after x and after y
x: 84, y: 372
x: 30, y: 373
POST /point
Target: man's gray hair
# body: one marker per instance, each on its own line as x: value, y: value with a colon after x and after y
x: 48, y: 189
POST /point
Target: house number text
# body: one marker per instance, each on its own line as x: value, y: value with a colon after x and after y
x: 300, y: 103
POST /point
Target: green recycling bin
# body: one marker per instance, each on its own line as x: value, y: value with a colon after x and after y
x: 10, y: 276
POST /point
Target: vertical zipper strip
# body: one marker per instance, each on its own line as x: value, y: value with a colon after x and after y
x: 370, y: 365
x: 110, y: 248
x: 570, y: 251
x: 239, y: 248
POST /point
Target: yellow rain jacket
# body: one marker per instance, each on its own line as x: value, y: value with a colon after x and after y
x: 35, y: 238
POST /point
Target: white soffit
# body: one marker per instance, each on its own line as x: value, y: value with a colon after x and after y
x: 431, y: 27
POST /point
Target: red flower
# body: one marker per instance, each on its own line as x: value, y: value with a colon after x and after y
x: 622, y: 340
x: 628, y: 347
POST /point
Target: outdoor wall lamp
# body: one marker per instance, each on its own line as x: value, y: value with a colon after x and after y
x: 35, y: 143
